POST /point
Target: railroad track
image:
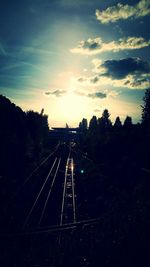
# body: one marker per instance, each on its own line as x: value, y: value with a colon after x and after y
x: 55, y: 201
x: 41, y: 164
x: 68, y: 210
x: 51, y: 204
x: 50, y: 178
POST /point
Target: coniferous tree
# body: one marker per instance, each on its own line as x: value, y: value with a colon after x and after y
x: 37, y: 124
x: 83, y: 125
x: 104, y: 122
x: 93, y: 124
x: 117, y: 123
x: 128, y: 122
x: 80, y: 125
x: 146, y: 109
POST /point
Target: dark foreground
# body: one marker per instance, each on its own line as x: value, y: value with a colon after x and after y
x: 83, y: 202
x: 111, y: 226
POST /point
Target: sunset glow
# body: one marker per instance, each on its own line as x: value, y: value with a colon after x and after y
x: 76, y: 58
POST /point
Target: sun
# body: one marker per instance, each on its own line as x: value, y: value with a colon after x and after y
x: 73, y: 107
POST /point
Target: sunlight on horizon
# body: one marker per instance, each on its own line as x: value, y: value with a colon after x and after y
x: 72, y: 107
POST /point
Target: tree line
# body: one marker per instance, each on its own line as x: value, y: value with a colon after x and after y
x: 116, y: 184
x: 104, y: 123
x: 103, y: 137
x: 24, y: 138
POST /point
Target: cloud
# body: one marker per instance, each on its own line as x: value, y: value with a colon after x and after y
x: 34, y: 50
x: 93, y: 95
x: 94, y: 79
x: 2, y: 50
x: 120, y: 11
x: 96, y: 45
x: 60, y: 93
x: 56, y: 93
x: 82, y: 79
x: 20, y: 64
x: 119, y: 69
x: 113, y: 94
x: 97, y: 110
x: 97, y: 95
x: 129, y: 72
x: 80, y: 93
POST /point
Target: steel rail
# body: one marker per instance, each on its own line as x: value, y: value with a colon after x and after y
x: 34, y: 171
x: 73, y: 191
x: 37, y: 198
x: 56, y: 228
x: 64, y: 190
x: 49, y: 193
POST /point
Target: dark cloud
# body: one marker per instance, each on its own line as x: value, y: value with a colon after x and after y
x: 92, y: 44
x: 81, y: 79
x: 56, y: 93
x: 138, y: 82
x: 47, y: 93
x: 120, y: 69
x: 97, y: 95
x: 94, y: 79
x: 128, y: 72
x: 91, y: 95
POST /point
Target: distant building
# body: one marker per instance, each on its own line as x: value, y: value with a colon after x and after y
x: 65, y: 134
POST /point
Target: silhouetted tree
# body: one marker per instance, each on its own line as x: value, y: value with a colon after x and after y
x: 37, y: 124
x: 104, y: 122
x: 117, y: 123
x: 80, y: 125
x: 146, y: 109
x: 13, y: 134
x: 83, y: 125
x: 93, y: 124
x: 42, y: 111
x: 128, y: 122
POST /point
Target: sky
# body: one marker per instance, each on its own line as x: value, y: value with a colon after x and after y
x: 75, y: 58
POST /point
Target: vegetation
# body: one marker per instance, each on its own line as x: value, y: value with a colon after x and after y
x: 114, y: 185
x: 117, y: 183
x: 146, y: 110
x: 23, y: 141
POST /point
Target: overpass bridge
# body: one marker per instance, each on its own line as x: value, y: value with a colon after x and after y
x: 65, y: 134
